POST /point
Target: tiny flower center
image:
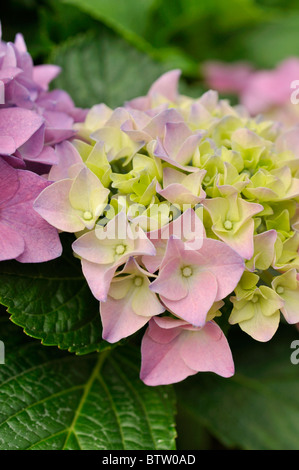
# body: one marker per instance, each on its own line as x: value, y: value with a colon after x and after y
x: 87, y: 215
x: 120, y: 249
x: 228, y: 225
x: 280, y: 290
x: 247, y: 172
x: 255, y: 299
x: 138, y: 281
x: 207, y: 179
x: 187, y: 271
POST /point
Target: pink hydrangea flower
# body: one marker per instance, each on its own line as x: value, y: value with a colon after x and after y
x: 21, y: 132
x: 188, y: 227
x: 165, y: 88
x: 172, y: 350
x: 24, y: 235
x: 130, y: 303
x: 227, y: 78
x: 190, y: 281
x: 32, y: 119
x: 259, y: 91
x: 102, y: 251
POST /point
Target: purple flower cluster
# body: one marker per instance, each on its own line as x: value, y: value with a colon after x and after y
x: 32, y: 121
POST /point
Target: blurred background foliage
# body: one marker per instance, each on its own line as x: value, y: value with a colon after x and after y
x: 111, y: 51
x: 98, y: 41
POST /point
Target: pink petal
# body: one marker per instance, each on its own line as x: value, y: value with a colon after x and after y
x: 54, y: 206
x: 186, y: 227
x: 33, y: 148
x: 9, y: 182
x: 19, y: 124
x: 170, y: 283
x: 66, y: 156
x: 194, y: 307
x: 207, y: 350
x: 119, y: 320
x: 7, y: 145
x: 161, y: 363
x: 227, y: 78
x: 166, y: 85
x: 44, y: 74
x: 98, y: 277
x: 41, y: 240
x: 225, y: 264
x: 11, y: 243
x: 156, y: 127
x: 89, y: 247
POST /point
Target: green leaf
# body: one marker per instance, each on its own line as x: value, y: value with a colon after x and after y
x: 256, y: 409
x: 103, y: 68
x: 52, y: 302
x: 53, y: 400
x: 136, y: 23
x: 125, y: 16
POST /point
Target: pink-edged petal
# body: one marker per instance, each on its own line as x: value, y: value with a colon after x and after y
x: 66, y: 157
x: 98, y: 277
x: 47, y: 156
x: 41, y: 240
x: 119, y: 320
x: 11, y: 243
x: 188, y: 148
x: 166, y: 85
x: 9, y: 73
x: 170, y: 283
x: 54, y: 206
x: 178, y: 194
x: 90, y: 248
x: 208, y: 350
x: 175, y: 135
x: 201, y: 295
x: 44, y: 74
x: 242, y: 240
x: 227, y: 78
x: 7, y: 145
x: 145, y: 302
x: 33, y: 148
x: 156, y: 127
x: 165, y: 329
x: 226, y: 265
x: 19, y: 124
x: 9, y: 182
x: 161, y: 363
x: 20, y: 43
x: 160, y: 152
x: 187, y: 227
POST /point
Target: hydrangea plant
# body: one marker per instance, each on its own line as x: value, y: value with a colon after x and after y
x: 184, y: 215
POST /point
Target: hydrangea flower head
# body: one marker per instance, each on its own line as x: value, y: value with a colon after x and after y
x: 181, y: 209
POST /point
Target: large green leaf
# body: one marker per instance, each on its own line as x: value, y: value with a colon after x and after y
x: 103, y: 68
x: 50, y: 399
x: 126, y: 16
x: 256, y: 409
x: 136, y: 22
x: 52, y: 302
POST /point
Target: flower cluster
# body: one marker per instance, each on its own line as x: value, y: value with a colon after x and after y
x: 32, y: 121
x: 260, y: 91
x: 183, y: 210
